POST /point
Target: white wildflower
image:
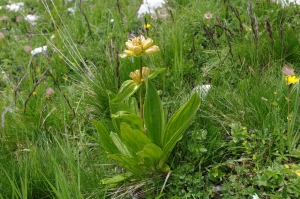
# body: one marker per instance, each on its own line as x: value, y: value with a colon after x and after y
x: 15, y: 7
x: 255, y: 196
x: 149, y: 6
x: 32, y: 18
x: 38, y: 50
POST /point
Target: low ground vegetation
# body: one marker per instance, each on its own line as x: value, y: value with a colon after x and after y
x: 242, y: 143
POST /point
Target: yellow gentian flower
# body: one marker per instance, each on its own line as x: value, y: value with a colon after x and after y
x: 139, y: 46
x: 291, y: 79
x: 297, y: 172
x: 135, y: 76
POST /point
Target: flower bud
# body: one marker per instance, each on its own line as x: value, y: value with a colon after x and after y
x: 135, y: 76
x: 146, y: 71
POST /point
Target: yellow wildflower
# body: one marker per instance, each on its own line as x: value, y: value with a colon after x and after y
x: 291, y: 79
x: 286, y: 166
x: 147, y: 26
x: 293, y: 166
x: 139, y: 46
x: 34, y: 93
x: 297, y: 172
x: 135, y: 76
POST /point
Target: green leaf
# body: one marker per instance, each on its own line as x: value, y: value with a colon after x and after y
x: 116, y: 179
x: 134, y: 140
x: 262, y: 181
x: 155, y: 72
x: 130, y: 163
x: 295, y: 153
x: 151, y: 155
x: 273, y: 196
x: 119, y: 144
x: 178, y: 124
x: 128, y: 88
x: 107, y: 142
x: 153, y: 114
x: 134, y: 119
x: 238, y: 132
x: 133, y: 105
x: 116, y: 107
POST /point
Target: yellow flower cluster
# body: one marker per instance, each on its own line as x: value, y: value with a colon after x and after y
x: 293, y: 167
x: 291, y: 79
x: 139, y: 46
x: 135, y: 76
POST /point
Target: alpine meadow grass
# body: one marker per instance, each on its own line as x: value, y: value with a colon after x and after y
x: 61, y: 70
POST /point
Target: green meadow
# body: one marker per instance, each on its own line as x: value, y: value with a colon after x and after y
x: 214, y: 115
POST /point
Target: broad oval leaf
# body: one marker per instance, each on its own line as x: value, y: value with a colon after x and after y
x: 128, y: 88
x: 119, y: 144
x: 130, y: 163
x: 132, y: 118
x: 107, y: 143
x: 116, y: 179
x: 134, y: 140
x: 151, y: 155
x: 116, y: 107
x: 153, y: 114
x: 178, y: 124
x: 155, y: 72
x: 133, y: 105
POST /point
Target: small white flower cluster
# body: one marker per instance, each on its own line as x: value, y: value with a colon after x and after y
x: 15, y: 7
x: 149, y: 7
x: 287, y: 2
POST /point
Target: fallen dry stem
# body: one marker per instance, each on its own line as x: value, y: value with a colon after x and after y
x: 86, y: 19
x: 55, y: 82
